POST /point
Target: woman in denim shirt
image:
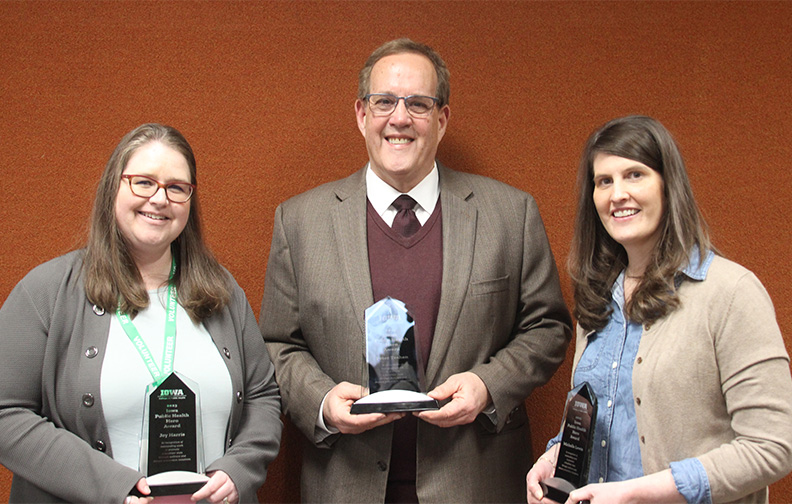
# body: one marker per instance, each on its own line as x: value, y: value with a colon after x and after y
x: 680, y: 345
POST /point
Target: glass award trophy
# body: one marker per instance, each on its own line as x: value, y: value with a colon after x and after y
x: 577, y: 439
x: 395, y: 373
x: 171, y: 443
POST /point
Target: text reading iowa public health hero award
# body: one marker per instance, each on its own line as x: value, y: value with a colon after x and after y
x: 577, y: 437
x: 171, y: 447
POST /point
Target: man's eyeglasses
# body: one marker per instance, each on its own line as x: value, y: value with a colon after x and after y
x: 383, y: 104
x: 146, y: 187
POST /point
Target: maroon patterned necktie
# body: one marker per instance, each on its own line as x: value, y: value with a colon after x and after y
x: 405, y: 223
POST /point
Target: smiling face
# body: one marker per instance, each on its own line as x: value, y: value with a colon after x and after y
x: 629, y: 199
x: 401, y: 147
x: 149, y: 225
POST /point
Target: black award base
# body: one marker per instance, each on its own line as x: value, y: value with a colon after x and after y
x: 556, y: 489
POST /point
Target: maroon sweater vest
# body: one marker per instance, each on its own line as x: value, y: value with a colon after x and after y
x: 410, y: 270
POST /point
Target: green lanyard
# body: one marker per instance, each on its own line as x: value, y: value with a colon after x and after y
x: 159, y: 373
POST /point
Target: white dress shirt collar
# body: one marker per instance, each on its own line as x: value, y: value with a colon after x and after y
x: 381, y: 195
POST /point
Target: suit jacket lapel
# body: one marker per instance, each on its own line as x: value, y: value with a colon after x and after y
x: 459, y: 237
x: 349, y: 225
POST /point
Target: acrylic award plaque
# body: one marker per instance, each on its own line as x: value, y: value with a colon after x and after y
x: 394, y: 364
x: 577, y: 439
x: 171, y: 442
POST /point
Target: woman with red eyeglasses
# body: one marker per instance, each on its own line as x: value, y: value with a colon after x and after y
x: 138, y: 356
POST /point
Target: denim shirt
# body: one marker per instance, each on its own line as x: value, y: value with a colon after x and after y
x: 607, y: 365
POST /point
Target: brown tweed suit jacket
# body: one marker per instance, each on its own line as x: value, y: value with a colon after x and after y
x: 501, y: 316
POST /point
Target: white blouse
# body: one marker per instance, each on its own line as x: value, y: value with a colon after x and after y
x: 125, y: 377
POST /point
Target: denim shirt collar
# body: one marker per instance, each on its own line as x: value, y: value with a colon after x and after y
x: 617, y: 291
x: 695, y: 269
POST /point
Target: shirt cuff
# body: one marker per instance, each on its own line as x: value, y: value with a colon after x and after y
x: 322, y: 431
x: 491, y: 414
x: 553, y: 442
x: 691, y: 481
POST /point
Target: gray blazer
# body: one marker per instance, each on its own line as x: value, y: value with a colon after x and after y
x: 501, y: 316
x: 53, y: 436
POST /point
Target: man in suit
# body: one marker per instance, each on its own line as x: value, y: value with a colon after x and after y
x: 477, y: 274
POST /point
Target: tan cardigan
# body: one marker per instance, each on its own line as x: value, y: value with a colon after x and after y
x: 711, y: 380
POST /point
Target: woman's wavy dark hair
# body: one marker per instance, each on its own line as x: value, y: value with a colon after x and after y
x: 112, y: 279
x: 596, y: 259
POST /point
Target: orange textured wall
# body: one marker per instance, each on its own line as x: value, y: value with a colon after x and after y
x: 264, y: 91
